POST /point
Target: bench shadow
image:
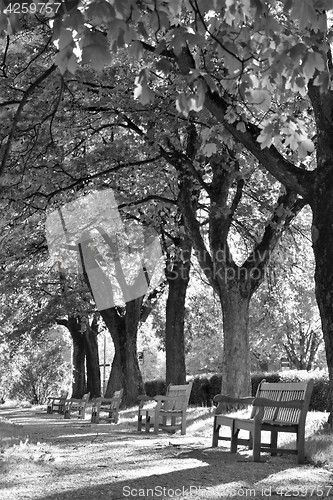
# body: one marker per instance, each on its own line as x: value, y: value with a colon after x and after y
x: 217, y: 474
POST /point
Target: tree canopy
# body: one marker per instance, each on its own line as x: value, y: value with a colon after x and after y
x: 257, y: 72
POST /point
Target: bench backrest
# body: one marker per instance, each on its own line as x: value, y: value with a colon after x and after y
x: 178, y: 397
x: 116, y: 399
x: 285, y: 391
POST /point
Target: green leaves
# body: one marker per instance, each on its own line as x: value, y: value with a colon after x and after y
x: 260, y: 99
x: 313, y: 61
x: 284, y: 132
x: 305, y: 13
x: 95, y: 50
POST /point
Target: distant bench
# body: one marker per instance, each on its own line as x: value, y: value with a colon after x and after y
x: 57, y: 403
x: 107, y: 405
x: 277, y: 407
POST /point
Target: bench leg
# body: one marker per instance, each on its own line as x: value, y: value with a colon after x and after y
x: 94, y: 416
x: 113, y: 416
x: 147, y: 423
x: 183, y: 424
x: 216, y: 433
x: 300, y: 446
x: 256, y: 443
x: 274, y: 440
x: 234, y: 439
x: 156, y: 423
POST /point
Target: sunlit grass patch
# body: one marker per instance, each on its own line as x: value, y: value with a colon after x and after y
x: 28, y: 452
x: 319, y: 447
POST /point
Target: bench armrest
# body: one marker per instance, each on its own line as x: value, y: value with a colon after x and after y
x: 53, y: 399
x: 221, y: 398
x: 75, y: 402
x: 143, y: 398
x: 294, y: 403
x: 160, y: 398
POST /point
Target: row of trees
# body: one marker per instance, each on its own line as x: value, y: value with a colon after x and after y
x: 277, y: 329
x: 223, y: 173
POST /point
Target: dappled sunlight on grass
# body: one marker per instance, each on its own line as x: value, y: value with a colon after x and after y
x: 72, y: 459
x: 319, y: 448
x: 26, y: 451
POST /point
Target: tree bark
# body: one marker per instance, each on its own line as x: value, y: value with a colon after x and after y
x: 73, y: 324
x: 178, y: 275
x: 236, y: 352
x: 92, y: 359
x: 125, y: 371
x: 322, y: 240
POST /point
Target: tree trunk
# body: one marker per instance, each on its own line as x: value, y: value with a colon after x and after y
x: 79, y: 370
x: 236, y: 354
x: 73, y: 324
x: 178, y: 274
x: 92, y: 360
x: 125, y: 371
x: 322, y: 239
x: 313, y: 348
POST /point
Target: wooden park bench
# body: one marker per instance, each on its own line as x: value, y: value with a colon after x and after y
x: 277, y: 407
x: 108, y: 405
x: 169, y: 412
x: 56, y: 403
x: 76, y: 405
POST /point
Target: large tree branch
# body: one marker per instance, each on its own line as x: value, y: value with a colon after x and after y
x: 30, y: 90
x: 288, y: 206
x: 187, y: 202
x: 293, y: 177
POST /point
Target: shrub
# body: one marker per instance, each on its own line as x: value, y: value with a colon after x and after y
x: 200, y: 394
x: 205, y: 389
x: 155, y: 387
x: 256, y: 378
x: 43, y: 373
x: 215, y: 383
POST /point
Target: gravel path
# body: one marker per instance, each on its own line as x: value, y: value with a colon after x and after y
x: 70, y: 459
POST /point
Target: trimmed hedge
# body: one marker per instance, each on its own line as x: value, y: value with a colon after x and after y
x: 154, y: 387
x: 204, y: 388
